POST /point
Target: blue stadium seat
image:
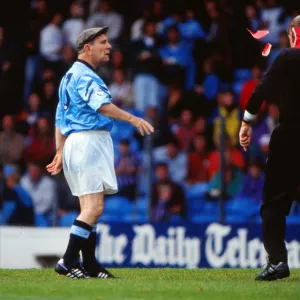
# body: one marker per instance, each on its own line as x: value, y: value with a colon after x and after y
x: 68, y: 219
x: 257, y: 220
x: 141, y: 205
x: 236, y: 218
x: 42, y: 221
x: 237, y: 87
x: 196, y: 190
x: 242, y: 74
x: 122, y: 130
x: 195, y: 205
x: 293, y: 220
x: 6, y: 211
x: 118, y: 206
x: 128, y: 217
x: 176, y: 219
x: 204, y: 218
x: 134, y: 145
x: 242, y: 206
x: 211, y: 207
x: 109, y: 218
x: 139, y: 217
x: 225, y: 86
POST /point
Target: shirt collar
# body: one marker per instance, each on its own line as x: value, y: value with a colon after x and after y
x: 86, y: 63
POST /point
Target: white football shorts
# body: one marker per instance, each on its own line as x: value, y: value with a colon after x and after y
x: 88, y: 163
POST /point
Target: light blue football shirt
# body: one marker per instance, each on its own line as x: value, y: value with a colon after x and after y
x: 81, y: 93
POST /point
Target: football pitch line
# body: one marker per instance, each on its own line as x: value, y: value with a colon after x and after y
x: 148, y: 284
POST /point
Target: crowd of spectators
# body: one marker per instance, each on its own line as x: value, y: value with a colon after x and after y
x: 181, y: 64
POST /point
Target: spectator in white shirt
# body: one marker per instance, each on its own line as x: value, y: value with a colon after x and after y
x: 73, y: 26
x: 51, y: 40
x: 42, y: 189
x: 174, y: 158
x: 138, y: 25
x: 107, y: 17
x: 120, y: 89
x: 270, y: 16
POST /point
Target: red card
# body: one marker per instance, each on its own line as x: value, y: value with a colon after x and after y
x: 267, y: 49
x: 258, y: 34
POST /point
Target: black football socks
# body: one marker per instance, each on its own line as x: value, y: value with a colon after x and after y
x: 79, y: 236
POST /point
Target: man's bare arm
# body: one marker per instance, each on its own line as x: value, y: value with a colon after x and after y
x: 59, y: 139
x: 112, y: 111
x: 56, y: 165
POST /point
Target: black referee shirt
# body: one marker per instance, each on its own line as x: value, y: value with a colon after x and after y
x: 280, y: 85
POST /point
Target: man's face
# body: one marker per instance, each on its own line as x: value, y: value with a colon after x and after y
x: 34, y: 102
x: 173, y: 36
x: 119, y: 76
x: 228, y: 99
x: 34, y: 172
x: 161, y: 173
x: 8, y: 123
x: 150, y: 29
x: 100, y: 49
x: 124, y: 148
x: 273, y: 111
x: 42, y: 124
x: 172, y: 149
x: 254, y: 171
x: 200, y: 143
x: 186, y: 117
x: 256, y: 72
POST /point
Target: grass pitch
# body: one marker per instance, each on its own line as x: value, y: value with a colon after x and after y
x: 152, y: 284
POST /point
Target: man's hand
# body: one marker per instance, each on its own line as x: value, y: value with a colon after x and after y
x: 245, y: 135
x: 143, y: 126
x: 56, y: 166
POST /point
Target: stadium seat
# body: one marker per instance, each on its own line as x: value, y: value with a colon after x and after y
x: 196, y: 190
x: 127, y: 217
x: 6, y: 211
x: 242, y: 74
x: 204, y: 218
x: 237, y: 87
x: 211, y: 207
x: 242, y: 206
x: 176, y: 219
x: 42, y: 221
x: 68, y: 219
x: 236, y: 219
x: 140, y: 217
x: 118, y: 207
x: 109, y: 218
x: 293, y: 220
x: 141, y: 205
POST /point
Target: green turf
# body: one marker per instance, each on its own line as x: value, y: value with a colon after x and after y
x: 152, y: 284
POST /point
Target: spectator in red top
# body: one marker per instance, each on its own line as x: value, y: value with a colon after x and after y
x: 237, y: 159
x: 249, y: 87
x: 28, y: 117
x: 185, y: 131
x: 42, y: 146
x: 198, y: 161
x: 202, y: 128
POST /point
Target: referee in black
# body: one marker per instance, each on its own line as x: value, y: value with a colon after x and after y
x: 281, y: 85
